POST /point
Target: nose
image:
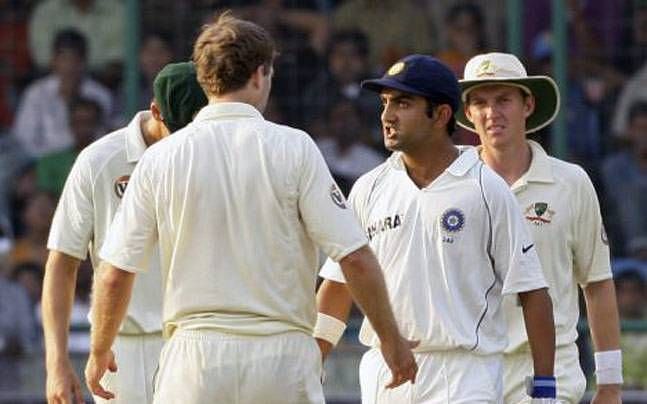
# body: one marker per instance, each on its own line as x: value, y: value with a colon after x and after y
x: 387, y: 115
x: 491, y: 110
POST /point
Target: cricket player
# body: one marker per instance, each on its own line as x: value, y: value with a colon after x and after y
x: 88, y: 203
x: 502, y: 104
x: 239, y: 206
x: 451, y: 240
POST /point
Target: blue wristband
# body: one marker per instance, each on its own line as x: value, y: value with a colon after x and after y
x: 541, y: 387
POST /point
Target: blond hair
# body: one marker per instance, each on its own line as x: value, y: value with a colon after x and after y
x: 228, y: 51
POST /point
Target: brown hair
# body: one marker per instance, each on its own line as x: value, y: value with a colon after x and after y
x: 228, y: 51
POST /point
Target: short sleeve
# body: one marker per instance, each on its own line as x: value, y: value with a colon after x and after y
x: 73, y: 223
x: 327, y: 216
x: 132, y: 236
x: 591, y: 247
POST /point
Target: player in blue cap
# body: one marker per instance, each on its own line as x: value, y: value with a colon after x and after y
x: 451, y: 240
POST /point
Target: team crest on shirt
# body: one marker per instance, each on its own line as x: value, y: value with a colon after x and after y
x: 453, y: 220
x: 337, y: 197
x: 539, y: 213
x: 120, y: 185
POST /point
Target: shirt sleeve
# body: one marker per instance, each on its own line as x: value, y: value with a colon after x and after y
x: 591, y: 257
x: 328, y: 219
x: 511, y: 248
x: 73, y: 223
x: 132, y: 235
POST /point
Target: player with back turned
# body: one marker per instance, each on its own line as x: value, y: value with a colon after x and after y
x: 451, y: 240
x: 502, y: 104
x: 239, y: 206
x: 90, y: 198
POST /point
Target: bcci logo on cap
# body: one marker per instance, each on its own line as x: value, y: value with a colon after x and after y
x: 395, y: 69
x: 120, y: 185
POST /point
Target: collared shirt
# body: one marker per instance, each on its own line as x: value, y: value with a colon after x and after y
x: 90, y: 198
x: 239, y: 206
x: 563, y: 215
x: 42, y: 120
x: 448, y: 251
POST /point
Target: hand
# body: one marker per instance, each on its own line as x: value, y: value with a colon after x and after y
x: 94, y: 371
x: 400, y: 360
x: 325, y: 347
x: 63, y: 385
x: 607, y: 394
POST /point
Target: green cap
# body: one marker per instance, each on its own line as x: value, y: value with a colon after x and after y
x: 178, y: 94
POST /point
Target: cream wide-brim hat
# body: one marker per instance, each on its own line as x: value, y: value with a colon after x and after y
x: 506, y: 69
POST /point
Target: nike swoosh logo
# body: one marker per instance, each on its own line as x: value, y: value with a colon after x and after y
x: 526, y: 248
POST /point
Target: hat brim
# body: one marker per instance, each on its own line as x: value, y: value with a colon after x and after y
x: 377, y: 85
x: 543, y: 88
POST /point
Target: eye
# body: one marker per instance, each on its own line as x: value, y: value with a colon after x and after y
x: 403, y: 104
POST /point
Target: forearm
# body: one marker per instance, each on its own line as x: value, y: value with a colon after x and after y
x: 366, y: 284
x: 111, y: 295
x: 602, y: 312
x: 333, y: 299
x: 57, y: 299
x: 540, y: 327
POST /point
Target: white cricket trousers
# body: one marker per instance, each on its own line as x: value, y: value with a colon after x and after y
x: 208, y: 367
x: 456, y: 377
x: 137, y: 357
x: 571, y: 382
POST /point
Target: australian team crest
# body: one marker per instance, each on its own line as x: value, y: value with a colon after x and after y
x: 453, y: 220
x: 539, y: 213
x: 120, y: 185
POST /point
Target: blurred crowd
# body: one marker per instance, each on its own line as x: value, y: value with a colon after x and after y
x: 62, y: 86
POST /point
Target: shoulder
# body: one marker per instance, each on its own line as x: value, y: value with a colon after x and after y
x: 102, y: 151
x: 373, y: 179
x: 570, y: 174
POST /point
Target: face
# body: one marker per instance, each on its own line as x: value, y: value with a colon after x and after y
x: 68, y: 64
x: 154, y: 55
x: 405, y: 124
x: 345, y: 62
x: 84, y: 121
x: 499, y: 114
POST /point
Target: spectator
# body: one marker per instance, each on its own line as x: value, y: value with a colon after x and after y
x: 625, y: 181
x: 347, y: 157
x: 86, y: 124
x: 24, y: 187
x: 15, y: 63
x: 17, y: 330
x: 155, y: 53
x: 42, y: 122
x: 632, y: 92
x: 630, y: 291
x: 632, y: 50
x: 394, y: 28
x: 30, y: 277
x: 347, y: 66
x: 465, y: 36
x: 101, y: 22
x: 12, y: 159
x: 36, y: 217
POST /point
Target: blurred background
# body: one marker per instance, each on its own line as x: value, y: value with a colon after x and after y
x: 73, y: 70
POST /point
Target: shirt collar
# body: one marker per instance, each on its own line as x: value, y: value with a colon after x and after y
x: 459, y: 167
x: 224, y: 110
x: 540, y: 169
x: 135, y: 144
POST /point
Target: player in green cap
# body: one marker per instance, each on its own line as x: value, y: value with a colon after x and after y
x: 92, y: 193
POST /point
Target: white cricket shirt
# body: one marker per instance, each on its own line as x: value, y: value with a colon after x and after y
x: 239, y: 206
x: 562, y: 212
x: 448, y: 251
x: 92, y: 193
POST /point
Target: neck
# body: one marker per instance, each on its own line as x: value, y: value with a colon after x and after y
x: 244, y: 96
x: 426, y: 163
x: 509, y: 162
x: 151, y: 130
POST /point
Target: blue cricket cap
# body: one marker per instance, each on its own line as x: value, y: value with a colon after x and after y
x: 420, y: 75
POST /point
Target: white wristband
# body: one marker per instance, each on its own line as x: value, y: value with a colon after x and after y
x: 608, y: 367
x: 328, y: 328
